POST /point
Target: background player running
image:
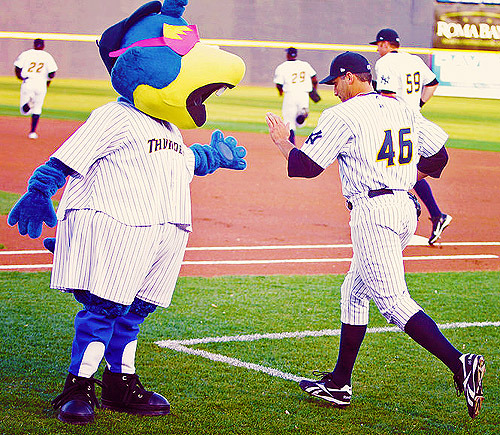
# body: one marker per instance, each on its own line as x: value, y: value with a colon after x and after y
x: 295, y: 79
x: 408, y: 77
x: 377, y: 141
x: 36, y: 68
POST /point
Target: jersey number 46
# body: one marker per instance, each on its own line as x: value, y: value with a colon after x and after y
x: 388, y: 153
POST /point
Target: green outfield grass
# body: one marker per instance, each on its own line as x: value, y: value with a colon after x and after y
x: 398, y: 388
x: 471, y: 123
x: 7, y: 201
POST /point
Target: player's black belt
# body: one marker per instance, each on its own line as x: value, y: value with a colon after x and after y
x: 378, y: 192
x: 373, y: 194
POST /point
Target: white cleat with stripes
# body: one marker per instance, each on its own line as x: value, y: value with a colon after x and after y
x: 325, y: 389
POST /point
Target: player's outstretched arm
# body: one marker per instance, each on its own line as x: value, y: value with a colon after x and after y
x: 35, y: 206
x: 221, y: 153
x: 279, y: 133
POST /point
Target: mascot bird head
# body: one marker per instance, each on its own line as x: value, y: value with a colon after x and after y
x: 157, y: 63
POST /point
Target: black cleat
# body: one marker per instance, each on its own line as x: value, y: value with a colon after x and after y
x: 469, y: 381
x: 301, y: 117
x: 438, y: 226
x: 325, y: 389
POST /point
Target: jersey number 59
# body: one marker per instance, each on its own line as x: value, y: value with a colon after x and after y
x: 388, y: 153
x: 413, y: 82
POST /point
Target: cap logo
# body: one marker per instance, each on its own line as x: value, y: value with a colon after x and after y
x: 342, y: 69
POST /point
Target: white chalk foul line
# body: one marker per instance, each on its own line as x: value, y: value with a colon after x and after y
x: 25, y: 266
x: 270, y: 247
x: 280, y: 261
x: 335, y: 260
x: 182, y: 345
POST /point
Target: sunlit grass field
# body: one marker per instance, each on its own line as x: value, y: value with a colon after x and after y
x: 398, y: 388
x: 471, y: 123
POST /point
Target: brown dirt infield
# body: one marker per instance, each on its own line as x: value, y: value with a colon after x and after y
x: 261, y: 206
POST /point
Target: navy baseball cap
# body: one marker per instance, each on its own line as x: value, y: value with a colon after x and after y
x: 291, y: 51
x: 347, y: 62
x: 386, y: 35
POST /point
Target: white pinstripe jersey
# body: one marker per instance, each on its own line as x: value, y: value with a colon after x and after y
x: 130, y: 166
x: 295, y: 76
x: 377, y: 141
x: 405, y: 74
x: 36, y: 65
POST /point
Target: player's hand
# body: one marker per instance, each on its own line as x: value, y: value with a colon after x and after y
x: 278, y: 130
x: 30, y: 212
x: 229, y: 154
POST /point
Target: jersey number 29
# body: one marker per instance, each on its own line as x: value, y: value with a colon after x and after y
x: 387, y: 152
x: 298, y: 77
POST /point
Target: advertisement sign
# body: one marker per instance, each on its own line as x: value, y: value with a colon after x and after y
x: 467, y: 74
x: 467, y: 25
x: 469, y: 28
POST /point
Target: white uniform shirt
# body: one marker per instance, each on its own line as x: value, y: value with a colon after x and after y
x: 36, y: 65
x: 294, y: 76
x: 405, y: 74
x: 130, y: 166
x: 377, y: 141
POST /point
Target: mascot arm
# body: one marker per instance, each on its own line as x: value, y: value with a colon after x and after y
x: 35, y: 206
x: 221, y: 153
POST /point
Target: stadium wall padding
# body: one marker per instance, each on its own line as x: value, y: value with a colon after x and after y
x: 322, y: 21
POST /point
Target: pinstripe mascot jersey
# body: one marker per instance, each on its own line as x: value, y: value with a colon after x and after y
x: 130, y: 166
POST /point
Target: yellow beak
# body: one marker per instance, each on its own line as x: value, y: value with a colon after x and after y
x: 204, y: 70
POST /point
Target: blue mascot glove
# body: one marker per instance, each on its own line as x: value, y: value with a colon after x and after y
x: 35, y: 206
x: 221, y: 153
x: 230, y: 155
x: 50, y: 244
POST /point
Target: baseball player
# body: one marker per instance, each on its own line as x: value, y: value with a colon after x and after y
x: 36, y: 68
x: 408, y: 77
x: 377, y: 141
x: 295, y: 79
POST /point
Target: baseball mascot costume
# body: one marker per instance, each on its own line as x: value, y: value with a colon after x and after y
x: 125, y: 215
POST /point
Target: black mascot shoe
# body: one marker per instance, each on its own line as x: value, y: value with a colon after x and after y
x: 77, y: 401
x: 124, y: 393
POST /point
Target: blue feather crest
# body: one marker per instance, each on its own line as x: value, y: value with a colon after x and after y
x: 174, y: 8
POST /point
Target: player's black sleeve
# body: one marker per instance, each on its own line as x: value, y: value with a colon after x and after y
x: 433, y: 165
x: 301, y: 165
x: 434, y: 82
x: 18, y: 73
